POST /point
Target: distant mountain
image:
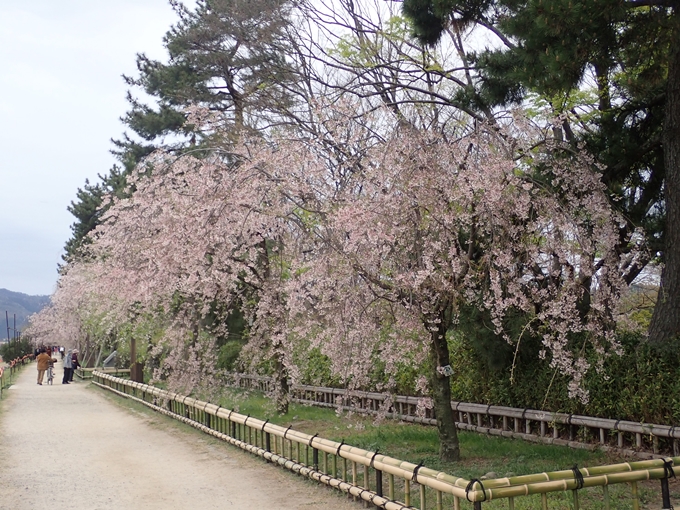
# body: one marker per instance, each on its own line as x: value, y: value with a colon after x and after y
x: 20, y: 304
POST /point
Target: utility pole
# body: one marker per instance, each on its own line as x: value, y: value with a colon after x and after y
x: 7, y: 320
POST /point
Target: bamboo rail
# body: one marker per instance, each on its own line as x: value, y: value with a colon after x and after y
x: 86, y: 373
x: 642, y: 440
x: 291, y: 449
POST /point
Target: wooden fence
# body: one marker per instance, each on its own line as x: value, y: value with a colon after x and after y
x: 641, y: 440
x: 383, y: 481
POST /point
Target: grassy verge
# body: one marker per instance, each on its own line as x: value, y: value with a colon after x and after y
x: 482, y: 456
x: 8, y: 379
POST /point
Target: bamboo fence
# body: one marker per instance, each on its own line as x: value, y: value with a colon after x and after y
x: 381, y: 480
x: 641, y: 440
x: 10, y: 369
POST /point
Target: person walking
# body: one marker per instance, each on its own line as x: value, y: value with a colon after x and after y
x: 74, y: 364
x: 43, y: 360
x: 68, y: 366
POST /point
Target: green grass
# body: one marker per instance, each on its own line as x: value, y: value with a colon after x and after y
x: 481, y: 455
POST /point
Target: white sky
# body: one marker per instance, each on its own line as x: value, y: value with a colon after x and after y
x: 61, y: 97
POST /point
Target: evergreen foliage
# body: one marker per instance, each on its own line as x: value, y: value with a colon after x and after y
x: 15, y: 349
x: 88, y: 209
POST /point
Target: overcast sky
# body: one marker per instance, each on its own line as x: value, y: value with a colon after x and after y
x: 61, y: 97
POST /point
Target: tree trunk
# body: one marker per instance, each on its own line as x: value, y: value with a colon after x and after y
x: 449, y: 449
x: 665, y: 324
x: 281, y: 391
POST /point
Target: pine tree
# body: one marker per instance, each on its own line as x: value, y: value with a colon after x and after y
x: 88, y: 210
x: 227, y: 56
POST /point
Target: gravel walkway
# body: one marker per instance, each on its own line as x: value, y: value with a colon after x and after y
x: 70, y: 447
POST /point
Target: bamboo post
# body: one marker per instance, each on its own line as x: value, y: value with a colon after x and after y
x: 544, y: 501
x: 423, y: 501
x: 636, y: 500
x: 365, y: 481
x: 511, y: 504
x: 390, y: 486
x: 576, y: 504
x: 378, y: 482
x: 407, y: 492
x: 605, y: 494
x: 440, y: 504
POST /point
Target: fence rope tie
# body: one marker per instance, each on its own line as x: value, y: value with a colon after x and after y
x: 370, y: 464
x: 206, y: 406
x: 578, y: 477
x: 414, y: 477
x: 471, y: 486
x: 668, y: 469
x: 337, y: 452
x: 245, y: 422
x: 264, y: 424
x: 312, y: 439
x: 286, y: 431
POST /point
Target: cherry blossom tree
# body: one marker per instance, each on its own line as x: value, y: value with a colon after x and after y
x: 421, y: 227
x: 365, y: 247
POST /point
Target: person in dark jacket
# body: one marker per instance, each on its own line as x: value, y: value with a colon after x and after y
x: 74, y: 364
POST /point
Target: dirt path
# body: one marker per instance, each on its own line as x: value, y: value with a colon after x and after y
x: 70, y: 447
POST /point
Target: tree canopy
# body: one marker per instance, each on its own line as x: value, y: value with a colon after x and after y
x: 627, y: 53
